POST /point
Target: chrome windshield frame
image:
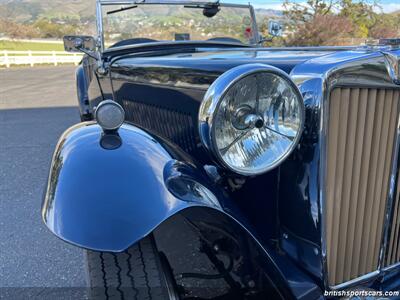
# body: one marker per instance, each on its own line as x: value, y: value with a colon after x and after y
x: 100, y: 3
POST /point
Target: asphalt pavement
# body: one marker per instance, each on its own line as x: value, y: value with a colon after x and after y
x: 36, y: 106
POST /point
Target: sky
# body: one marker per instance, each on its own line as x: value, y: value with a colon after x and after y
x: 387, y: 5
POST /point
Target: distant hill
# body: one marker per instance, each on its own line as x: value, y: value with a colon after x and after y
x: 31, y: 10
x: 269, y: 12
x: 25, y: 11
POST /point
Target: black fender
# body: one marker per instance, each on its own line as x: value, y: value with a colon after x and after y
x: 107, y: 191
x: 82, y: 86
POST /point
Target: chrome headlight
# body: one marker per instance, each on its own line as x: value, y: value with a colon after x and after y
x: 251, y: 118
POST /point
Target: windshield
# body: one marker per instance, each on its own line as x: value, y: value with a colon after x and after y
x: 166, y: 22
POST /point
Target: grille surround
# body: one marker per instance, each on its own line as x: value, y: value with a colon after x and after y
x: 335, y: 271
x: 392, y: 240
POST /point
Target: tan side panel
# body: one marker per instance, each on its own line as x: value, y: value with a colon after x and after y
x: 360, y: 142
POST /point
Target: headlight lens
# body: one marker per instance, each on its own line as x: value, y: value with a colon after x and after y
x: 251, y: 118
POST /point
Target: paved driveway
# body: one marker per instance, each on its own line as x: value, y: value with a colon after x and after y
x: 36, y: 106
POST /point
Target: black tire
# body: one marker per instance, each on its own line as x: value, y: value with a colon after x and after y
x: 136, y: 273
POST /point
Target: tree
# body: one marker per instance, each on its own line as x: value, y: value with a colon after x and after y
x: 315, y: 23
x: 323, y: 30
x: 386, y: 26
x: 49, y: 29
x: 298, y: 13
x: 361, y: 14
x: 16, y: 31
x: 337, y: 22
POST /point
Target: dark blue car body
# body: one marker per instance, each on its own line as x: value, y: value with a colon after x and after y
x: 108, y: 198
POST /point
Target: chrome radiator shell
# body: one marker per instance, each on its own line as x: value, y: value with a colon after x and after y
x: 317, y: 80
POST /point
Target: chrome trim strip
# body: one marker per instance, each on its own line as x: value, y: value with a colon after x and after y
x: 391, y: 267
x: 177, y: 2
x: 393, y: 65
x: 323, y: 136
x: 212, y: 47
x: 256, y: 35
x: 362, y: 279
x: 366, y: 278
x: 99, y: 26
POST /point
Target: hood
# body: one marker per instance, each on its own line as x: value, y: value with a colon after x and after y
x: 199, y: 69
x: 168, y: 89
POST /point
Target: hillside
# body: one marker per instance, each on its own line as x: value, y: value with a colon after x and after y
x: 26, y: 11
x: 31, y: 10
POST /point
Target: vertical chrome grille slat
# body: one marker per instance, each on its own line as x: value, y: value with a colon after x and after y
x: 371, y: 262
x: 334, y: 114
x: 355, y: 183
x: 392, y: 118
x: 395, y: 246
x: 340, y: 163
x: 365, y: 264
x: 365, y: 170
x: 360, y: 144
x: 351, y: 127
x: 393, y: 232
x: 393, y: 254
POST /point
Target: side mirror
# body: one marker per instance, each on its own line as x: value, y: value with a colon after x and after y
x: 79, y: 43
x: 182, y: 36
x: 275, y: 29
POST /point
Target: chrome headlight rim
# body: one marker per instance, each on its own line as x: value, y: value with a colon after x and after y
x: 211, y: 105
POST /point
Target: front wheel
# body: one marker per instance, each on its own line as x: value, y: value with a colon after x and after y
x: 139, y: 272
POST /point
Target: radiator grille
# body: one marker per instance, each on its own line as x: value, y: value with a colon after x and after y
x: 360, y: 143
x: 173, y: 125
x: 393, y: 248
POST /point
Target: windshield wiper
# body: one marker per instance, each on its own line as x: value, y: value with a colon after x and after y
x: 203, y: 5
x: 209, y: 9
x: 121, y: 9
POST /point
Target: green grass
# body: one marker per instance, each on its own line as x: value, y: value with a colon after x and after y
x: 33, y: 46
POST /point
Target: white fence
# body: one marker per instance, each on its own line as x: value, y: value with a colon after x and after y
x: 31, y: 58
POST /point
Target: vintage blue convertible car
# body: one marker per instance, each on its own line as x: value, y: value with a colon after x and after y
x: 208, y: 166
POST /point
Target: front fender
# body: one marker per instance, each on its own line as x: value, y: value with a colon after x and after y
x: 107, y: 192
x: 82, y: 85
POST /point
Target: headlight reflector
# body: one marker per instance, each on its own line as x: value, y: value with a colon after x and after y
x: 251, y: 118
